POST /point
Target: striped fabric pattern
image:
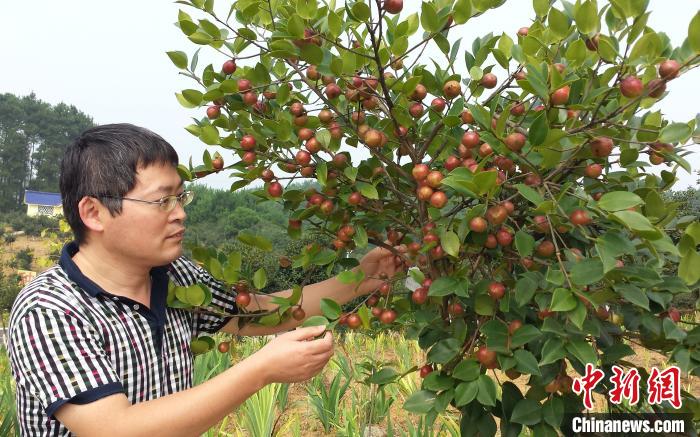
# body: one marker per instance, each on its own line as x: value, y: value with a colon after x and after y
x: 71, y: 341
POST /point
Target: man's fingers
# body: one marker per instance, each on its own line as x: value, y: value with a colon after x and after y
x: 306, y: 333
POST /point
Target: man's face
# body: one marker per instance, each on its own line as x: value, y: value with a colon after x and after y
x: 144, y: 233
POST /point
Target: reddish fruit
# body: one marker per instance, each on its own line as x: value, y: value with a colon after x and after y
x: 354, y: 321
x: 243, y: 85
x: 298, y: 313
x: 455, y: 308
x: 388, y: 316
x: 467, y: 117
x: 669, y: 69
x: 532, y: 180
x: 593, y: 171
x: 250, y: 98
x: 426, y: 370
x: 656, y: 87
x: 393, y: 6
x: 592, y: 43
x: 267, y: 175
x: 560, y: 67
x: 504, y: 237
x: 431, y: 238
x: 297, y: 109
x: 580, y: 218
x: 496, y: 214
x: 602, y: 313
x: 301, y: 120
x: 560, y: 96
x: 513, y: 374
x: 274, y: 189
x: 333, y: 91
x: 631, y: 87
x: 452, y: 162
x: 486, y: 356
x: 419, y: 93
x: 517, y: 110
x: 312, y: 73
x: 520, y: 75
x: 491, y: 242
x: 674, y: 314
x: 565, y: 384
x: 213, y: 112
x: 327, y: 207
x: 248, y: 142
x: 294, y: 224
x: 478, y: 224
x: 355, y: 198
x: 229, y: 67
x: 419, y: 295
x: 451, y: 89
x: 552, y: 387
x: 340, y: 160
x: 508, y: 205
x: 514, y: 326
x: 424, y: 192
x: 497, y: 290
x: 438, y: 104
x: 437, y: 252
x: 470, y: 139
x: 515, y: 141
x: 488, y: 80
x: 485, y: 150
x: 249, y: 157
x: 601, y: 147
x: 217, y: 163
x: 434, y: 179
x: 302, y: 157
x: 545, y: 249
x: 438, y: 199
x: 243, y: 299
x: 224, y: 346
x: 543, y: 314
x: 541, y: 223
x: 416, y: 110
x: 523, y: 31
x: 305, y: 134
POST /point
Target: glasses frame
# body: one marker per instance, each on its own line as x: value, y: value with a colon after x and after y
x: 166, y: 203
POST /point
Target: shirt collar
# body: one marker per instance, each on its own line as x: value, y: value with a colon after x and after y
x: 159, y: 277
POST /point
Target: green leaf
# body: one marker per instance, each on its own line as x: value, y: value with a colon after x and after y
x: 587, y: 271
x: 466, y: 392
x: 295, y: 26
x: 360, y: 237
x: 552, y: 351
x: 587, y: 17
x: 383, y: 376
x: 462, y: 11
x: 307, y: 8
x: 527, y: 412
x: 260, y: 279
x: 255, y: 240
x: 350, y: 277
x: 524, y: 290
x: 485, y: 180
x: 467, y: 370
x: 360, y: 11
x: 582, y: 351
x: 444, y: 351
x: 368, y: 190
x: 524, y: 335
x: 637, y: 223
x: 526, y: 362
x: 209, y: 135
x: 559, y: 23
x: 524, y: 243
x: 315, y: 321
x: 330, y: 308
x: 450, y: 242
x: 619, y: 200
x: 437, y: 382
x: 178, y: 58
x: 429, y: 18
x: 400, y: 45
x: 694, y: 33
x: 553, y: 412
x: 633, y: 294
x: 335, y: 24
x: 541, y: 7
x: 673, y: 132
x: 487, y: 391
x: 420, y: 402
x: 539, y: 129
x: 530, y: 194
x: 443, y: 286
x: 688, y: 268
x: 563, y: 300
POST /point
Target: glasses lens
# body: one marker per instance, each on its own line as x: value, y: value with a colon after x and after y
x: 187, y: 197
x: 168, y: 203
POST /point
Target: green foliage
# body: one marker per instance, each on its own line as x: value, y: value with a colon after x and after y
x: 33, y: 137
x: 567, y: 73
x: 31, y: 226
x: 23, y: 259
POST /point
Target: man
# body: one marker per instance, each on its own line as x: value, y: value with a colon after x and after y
x: 93, y: 348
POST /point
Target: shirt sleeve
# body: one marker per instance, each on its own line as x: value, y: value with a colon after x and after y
x: 223, y: 300
x: 58, y: 358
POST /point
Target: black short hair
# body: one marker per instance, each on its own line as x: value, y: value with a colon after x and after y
x: 103, y: 161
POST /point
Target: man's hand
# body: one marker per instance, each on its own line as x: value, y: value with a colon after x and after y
x: 376, y: 262
x: 295, y: 356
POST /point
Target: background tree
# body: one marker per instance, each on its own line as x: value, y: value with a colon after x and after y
x: 33, y: 137
x: 517, y: 172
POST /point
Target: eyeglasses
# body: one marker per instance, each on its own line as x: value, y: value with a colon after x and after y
x: 166, y: 203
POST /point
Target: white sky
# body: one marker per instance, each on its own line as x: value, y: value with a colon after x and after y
x: 108, y: 59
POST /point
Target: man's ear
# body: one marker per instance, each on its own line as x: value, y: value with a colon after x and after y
x: 90, y: 210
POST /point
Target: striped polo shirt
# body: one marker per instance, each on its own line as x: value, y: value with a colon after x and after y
x: 72, y: 341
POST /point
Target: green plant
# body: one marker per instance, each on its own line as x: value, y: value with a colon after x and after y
x: 8, y: 415
x: 326, y: 400
x: 258, y: 412
x: 520, y: 170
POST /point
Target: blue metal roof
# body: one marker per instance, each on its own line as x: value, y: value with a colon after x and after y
x: 42, y: 198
